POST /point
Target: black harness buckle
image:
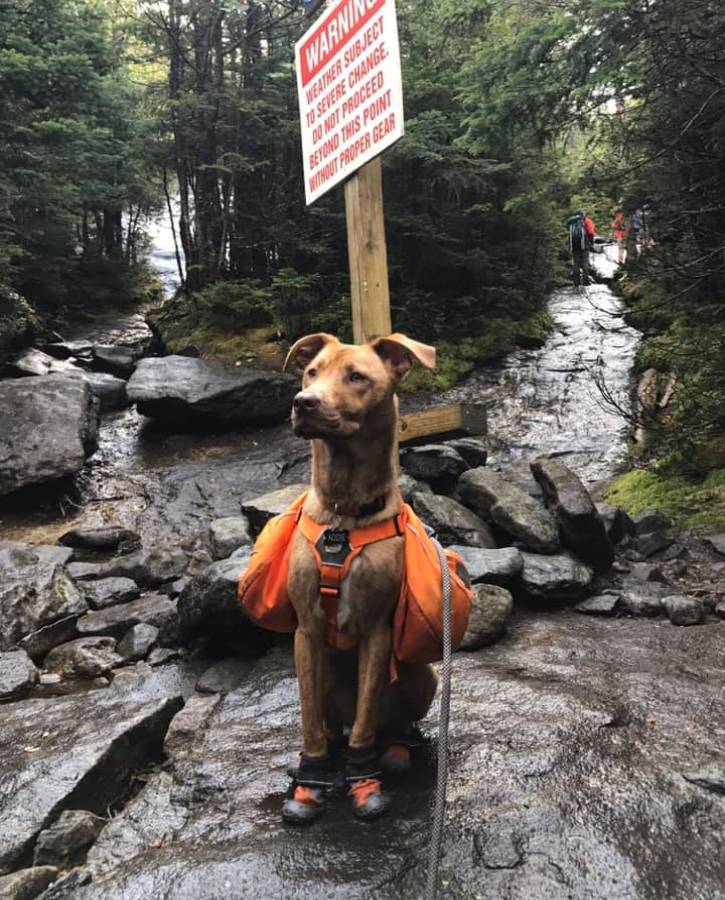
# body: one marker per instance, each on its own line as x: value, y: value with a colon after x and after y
x: 333, y: 545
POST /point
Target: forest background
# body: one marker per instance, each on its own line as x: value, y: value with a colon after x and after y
x: 517, y: 112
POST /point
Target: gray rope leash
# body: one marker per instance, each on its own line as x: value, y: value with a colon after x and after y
x: 439, y: 808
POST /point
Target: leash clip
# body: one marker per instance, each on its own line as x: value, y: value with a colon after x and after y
x: 333, y: 545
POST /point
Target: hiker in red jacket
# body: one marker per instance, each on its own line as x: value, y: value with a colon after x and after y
x: 581, y: 241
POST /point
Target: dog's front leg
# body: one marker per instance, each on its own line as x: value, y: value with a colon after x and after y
x: 309, y: 664
x: 373, y: 661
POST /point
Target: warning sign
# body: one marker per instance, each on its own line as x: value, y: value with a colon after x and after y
x: 350, y: 90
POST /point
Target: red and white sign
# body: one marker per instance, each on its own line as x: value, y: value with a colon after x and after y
x: 350, y: 90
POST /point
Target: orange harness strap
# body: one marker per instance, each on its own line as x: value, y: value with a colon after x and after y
x: 335, y: 550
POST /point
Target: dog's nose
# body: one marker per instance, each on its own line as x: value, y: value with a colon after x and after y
x: 305, y: 401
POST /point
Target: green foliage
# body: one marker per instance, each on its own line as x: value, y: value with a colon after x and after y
x: 18, y: 321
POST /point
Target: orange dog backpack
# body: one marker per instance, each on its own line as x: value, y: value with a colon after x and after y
x: 418, y: 618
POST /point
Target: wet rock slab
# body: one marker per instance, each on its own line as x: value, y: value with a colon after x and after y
x: 573, y: 741
x: 71, y: 752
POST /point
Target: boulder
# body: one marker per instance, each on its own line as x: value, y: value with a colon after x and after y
x: 35, y: 590
x: 580, y: 525
x: 110, y: 390
x: 109, y: 591
x: 137, y: 642
x: 501, y: 567
x: 473, y: 450
x: 116, y: 360
x: 409, y: 486
x: 17, y: 674
x: 78, y: 750
x: 717, y: 542
x: 437, y: 464
x: 227, y: 535
x: 559, y: 579
x: 209, y: 605
x: 720, y: 610
x: 152, y: 609
x: 617, y: 522
x: 651, y: 520
x: 31, y: 362
x: 177, y: 389
x: 452, y: 522
x: 261, y: 509
x: 224, y: 676
x: 47, y: 428
x: 27, y: 884
x: 600, y: 605
x: 525, y: 520
x: 86, y: 657
x: 684, y: 610
x: 490, y: 611
x: 650, y: 542
x: 106, y: 538
x: 643, y: 602
x: 68, y: 349
x: 519, y: 473
x: 38, y: 643
x: 63, y: 843
x: 147, y: 567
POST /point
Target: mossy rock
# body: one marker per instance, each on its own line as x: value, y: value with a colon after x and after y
x: 18, y: 322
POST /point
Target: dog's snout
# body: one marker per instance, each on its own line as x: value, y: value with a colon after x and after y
x: 305, y: 401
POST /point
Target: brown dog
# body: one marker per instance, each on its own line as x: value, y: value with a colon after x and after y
x: 348, y: 408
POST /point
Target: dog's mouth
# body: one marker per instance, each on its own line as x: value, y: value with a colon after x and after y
x: 315, y: 425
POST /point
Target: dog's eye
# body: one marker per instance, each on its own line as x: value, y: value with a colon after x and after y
x: 356, y: 376
x: 312, y: 372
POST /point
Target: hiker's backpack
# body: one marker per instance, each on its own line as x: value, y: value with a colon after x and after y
x: 578, y: 235
x: 418, y: 617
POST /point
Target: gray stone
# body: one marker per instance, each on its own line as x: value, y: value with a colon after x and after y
x: 137, y: 642
x: 47, y: 428
x: 107, y: 538
x: 68, y: 349
x: 580, y: 525
x: 473, y: 450
x: 452, y: 522
x: 50, y: 678
x: 617, y: 522
x: 64, y: 842
x: 720, y: 609
x: 559, y: 579
x: 674, y: 552
x: 651, y: 520
x: 80, y: 749
x: 159, y: 656
x: 86, y: 657
x: 151, y: 609
x: 177, y: 389
x: 684, y: 610
x: 260, y: 510
x: 569, y: 731
x: 409, y: 486
x: 651, y: 542
x: 528, y: 523
x: 114, y: 359
x: 209, y: 605
x: 147, y: 567
x: 35, y: 590
x: 38, y: 643
x: 224, y: 676
x: 501, y: 567
x: 27, y: 884
x: 646, y: 572
x: 189, y: 723
x: 227, y: 535
x: 31, y: 362
x: 109, y: 591
x: 490, y: 610
x: 717, y: 542
x: 642, y: 603
x: 600, y: 605
x: 111, y: 391
x: 17, y: 674
x: 437, y: 464
x: 519, y: 473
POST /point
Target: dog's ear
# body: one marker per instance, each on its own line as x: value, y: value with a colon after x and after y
x: 398, y: 351
x: 303, y: 351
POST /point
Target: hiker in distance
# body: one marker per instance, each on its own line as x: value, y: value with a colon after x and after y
x: 581, y: 241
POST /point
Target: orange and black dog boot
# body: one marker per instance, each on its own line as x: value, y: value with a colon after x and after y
x: 365, y: 790
x: 307, y: 795
x: 397, y: 748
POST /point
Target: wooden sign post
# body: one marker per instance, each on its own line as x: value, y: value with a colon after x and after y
x: 351, y: 108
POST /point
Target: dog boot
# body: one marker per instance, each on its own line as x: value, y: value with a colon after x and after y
x: 362, y: 774
x: 306, y: 797
x: 396, y: 757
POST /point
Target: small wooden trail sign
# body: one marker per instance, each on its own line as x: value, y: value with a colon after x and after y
x: 350, y: 91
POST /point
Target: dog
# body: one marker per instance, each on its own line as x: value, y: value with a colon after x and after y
x: 348, y: 409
